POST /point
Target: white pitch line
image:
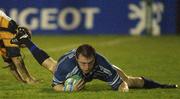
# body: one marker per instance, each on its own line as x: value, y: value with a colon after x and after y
x: 107, y: 43
x: 62, y: 48
x: 113, y: 42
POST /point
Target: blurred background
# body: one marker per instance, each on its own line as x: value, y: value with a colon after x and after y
x: 124, y: 17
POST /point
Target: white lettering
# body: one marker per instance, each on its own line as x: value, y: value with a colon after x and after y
x: 52, y: 18
x: 48, y: 15
x: 23, y: 18
x: 14, y: 14
x: 89, y: 16
x: 76, y: 18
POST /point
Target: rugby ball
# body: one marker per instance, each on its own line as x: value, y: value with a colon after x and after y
x: 71, y: 82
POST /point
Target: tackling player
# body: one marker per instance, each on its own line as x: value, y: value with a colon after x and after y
x: 87, y: 63
x: 11, y: 52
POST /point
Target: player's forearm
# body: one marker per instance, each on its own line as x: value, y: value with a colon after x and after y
x: 50, y: 64
x: 41, y: 56
x: 38, y: 53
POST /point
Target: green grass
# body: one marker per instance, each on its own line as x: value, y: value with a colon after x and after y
x: 157, y: 58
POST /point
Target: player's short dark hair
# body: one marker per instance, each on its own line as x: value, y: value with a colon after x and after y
x: 85, y: 50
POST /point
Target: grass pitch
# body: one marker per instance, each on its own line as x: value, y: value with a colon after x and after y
x: 157, y: 58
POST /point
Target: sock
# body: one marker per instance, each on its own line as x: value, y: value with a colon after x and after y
x: 38, y: 54
x: 151, y: 84
x: 13, y: 51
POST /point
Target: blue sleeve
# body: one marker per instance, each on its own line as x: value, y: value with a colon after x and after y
x: 65, y: 66
x: 63, y: 70
x: 113, y: 79
x: 60, y: 75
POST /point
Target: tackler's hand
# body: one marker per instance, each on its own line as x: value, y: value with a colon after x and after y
x: 22, y: 35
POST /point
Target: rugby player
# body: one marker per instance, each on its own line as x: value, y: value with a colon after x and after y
x: 11, y: 52
x: 88, y: 64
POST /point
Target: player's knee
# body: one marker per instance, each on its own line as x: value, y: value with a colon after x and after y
x: 127, y: 80
x: 135, y: 82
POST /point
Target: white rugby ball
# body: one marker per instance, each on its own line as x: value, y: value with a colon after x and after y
x: 71, y: 82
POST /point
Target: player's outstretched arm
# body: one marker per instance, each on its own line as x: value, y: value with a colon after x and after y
x: 49, y: 64
x: 23, y: 37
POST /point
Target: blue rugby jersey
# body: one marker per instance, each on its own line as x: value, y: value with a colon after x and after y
x: 103, y: 70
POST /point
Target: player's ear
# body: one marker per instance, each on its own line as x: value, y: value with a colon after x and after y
x: 76, y: 57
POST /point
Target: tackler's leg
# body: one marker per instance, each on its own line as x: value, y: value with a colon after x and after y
x: 16, y: 65
x: 22, y: 71
x: 8, y: 64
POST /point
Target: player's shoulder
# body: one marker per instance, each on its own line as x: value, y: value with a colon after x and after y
x: 2, y: 14
x: 65, y: 68
x: 67, y: 61
x: 102, y: 60
x: 70, y: 54
x: 100, y: 57
x: 67, y: 56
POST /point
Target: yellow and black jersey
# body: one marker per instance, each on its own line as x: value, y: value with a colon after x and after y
x: 7, y: 32
x: 7, y: 29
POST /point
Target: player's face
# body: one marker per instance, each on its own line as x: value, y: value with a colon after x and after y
x: 85, y: 64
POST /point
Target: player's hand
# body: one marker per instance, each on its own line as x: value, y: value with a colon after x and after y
x: 22, y: 35
x: 80, y: 85
x: 123, y: 87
